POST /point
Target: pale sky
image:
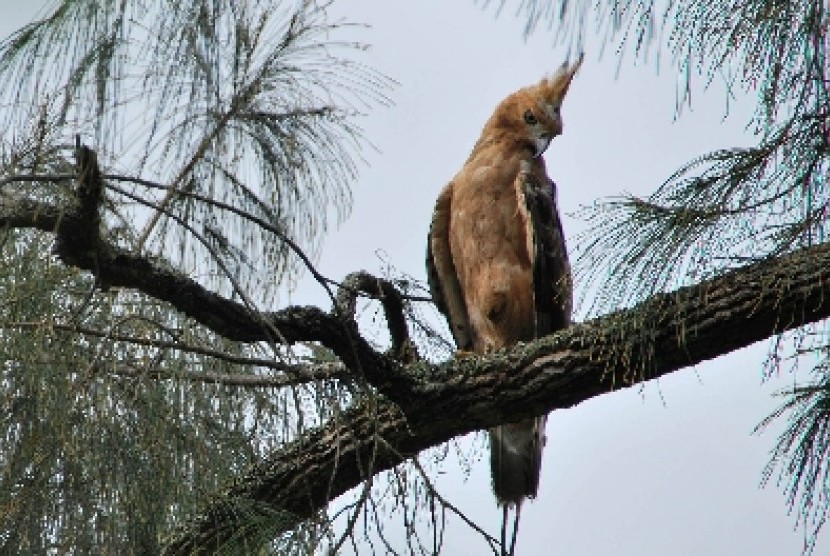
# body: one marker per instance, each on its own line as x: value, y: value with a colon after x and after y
x: 670, y: 469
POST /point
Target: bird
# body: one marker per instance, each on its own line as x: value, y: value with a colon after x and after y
x: 497, y: 262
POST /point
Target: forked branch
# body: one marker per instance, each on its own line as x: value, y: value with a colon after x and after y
x: 81, y: 244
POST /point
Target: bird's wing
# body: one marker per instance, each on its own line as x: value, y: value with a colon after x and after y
x: 441, y: 274
x: 552, y: 282
x: 516, y: 448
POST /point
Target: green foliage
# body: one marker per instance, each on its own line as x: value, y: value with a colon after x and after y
x: 99, y: 455
x: 235, y: 123
x: 800, y: 462
x: 255, y: 104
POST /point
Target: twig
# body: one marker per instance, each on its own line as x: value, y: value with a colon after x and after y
x: 166, y: 344
x: 323, y: 371
x: 491, y: 541
x: 36, y: 178
x: 322, y: 280
x: 358, y: 507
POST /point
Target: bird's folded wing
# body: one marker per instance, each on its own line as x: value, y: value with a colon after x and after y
x: 441, y: 273
x: 552, y: 283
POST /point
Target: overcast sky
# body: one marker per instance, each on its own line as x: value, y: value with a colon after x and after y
x: 669, y: 469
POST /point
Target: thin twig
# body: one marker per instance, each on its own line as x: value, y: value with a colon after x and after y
x: 298, y: 373
x: 358, y: 507
x: 326, y: 371
x: 236, y: 287
x: 491, y: 541
x: 239, y: 212
x: 305, y: 259
x: 36, y: 178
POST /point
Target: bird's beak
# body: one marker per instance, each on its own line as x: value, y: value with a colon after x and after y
x: 542, y: 143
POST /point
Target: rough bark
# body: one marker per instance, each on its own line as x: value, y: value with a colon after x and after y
x: 420, y: 405
x: 663, y: 334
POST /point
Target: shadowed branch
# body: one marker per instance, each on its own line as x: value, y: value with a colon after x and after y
x: 79, y: 243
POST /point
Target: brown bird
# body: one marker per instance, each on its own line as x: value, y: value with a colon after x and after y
x: 497, y: 263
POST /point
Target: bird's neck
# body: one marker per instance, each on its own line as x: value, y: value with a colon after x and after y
x: 506, y: 139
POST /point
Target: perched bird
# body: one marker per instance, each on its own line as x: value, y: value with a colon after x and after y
x: 496, y: 258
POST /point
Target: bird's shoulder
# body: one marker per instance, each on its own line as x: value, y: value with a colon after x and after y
x: 491, y: 166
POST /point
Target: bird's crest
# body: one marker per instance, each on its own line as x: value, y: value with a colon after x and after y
x: 552, y: 89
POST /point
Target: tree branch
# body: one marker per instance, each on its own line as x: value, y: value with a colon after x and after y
x: 392, y: 302
x: 289, y: 373
x: 423, y: 405
x: 79, y: 243
x: 663, y: 334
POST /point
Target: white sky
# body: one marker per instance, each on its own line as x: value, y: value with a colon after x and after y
x: 668, y: 470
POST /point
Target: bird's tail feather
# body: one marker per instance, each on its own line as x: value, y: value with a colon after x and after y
x: 516, y: 459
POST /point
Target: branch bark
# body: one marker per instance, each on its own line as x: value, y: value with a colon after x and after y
x: 663, y: 334
x: 421, y: 405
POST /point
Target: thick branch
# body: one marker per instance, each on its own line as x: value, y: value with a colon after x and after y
x: 665, y: 333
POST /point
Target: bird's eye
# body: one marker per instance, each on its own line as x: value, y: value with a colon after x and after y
x: 530, y: 118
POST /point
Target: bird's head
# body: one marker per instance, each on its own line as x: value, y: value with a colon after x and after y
x: 537, y: 109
